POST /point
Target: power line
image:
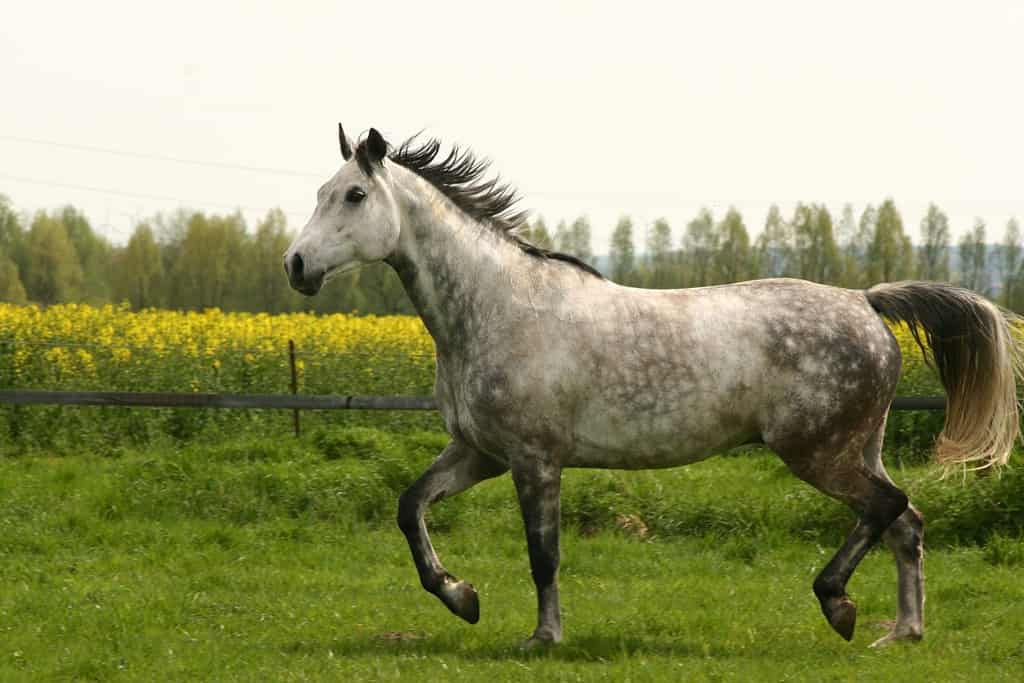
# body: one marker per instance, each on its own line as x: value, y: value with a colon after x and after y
x: 136, y: 195
x: 159, y: 157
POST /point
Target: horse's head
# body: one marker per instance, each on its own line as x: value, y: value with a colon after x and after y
x: 355, y: 222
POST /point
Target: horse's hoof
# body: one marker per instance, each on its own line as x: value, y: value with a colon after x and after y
x: 461, y: 598
x: 539, y: 641
x: 842, y: 616
x: 898, y: 634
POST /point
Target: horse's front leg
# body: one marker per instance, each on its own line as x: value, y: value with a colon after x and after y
x: 457, y: 468
x: 538, y: 484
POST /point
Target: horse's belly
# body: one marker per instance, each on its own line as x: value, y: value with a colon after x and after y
x: 655, y: 440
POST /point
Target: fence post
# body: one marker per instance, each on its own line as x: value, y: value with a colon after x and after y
x: 295, y: 383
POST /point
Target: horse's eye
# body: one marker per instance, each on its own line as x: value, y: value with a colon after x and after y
x: 355, y: 195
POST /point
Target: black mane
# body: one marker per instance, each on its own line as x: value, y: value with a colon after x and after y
x: 460, y: 177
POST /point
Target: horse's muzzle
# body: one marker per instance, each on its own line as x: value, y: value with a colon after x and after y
x: 301, y: 278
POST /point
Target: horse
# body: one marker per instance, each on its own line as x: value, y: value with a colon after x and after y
x: 544, y: 364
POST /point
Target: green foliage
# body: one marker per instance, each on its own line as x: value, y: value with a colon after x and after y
x: 973, y: 257
x: 93, y: 254
x: 815, y: 248
x: 190, y: 260
x: 1011, y: 265
x: 575, y: 239
x: 971, y: 509
x: 622, y: 253
x: 934, y: 261
x: 11, y: 287
x: 260, y: 559
x: 139, y: 275
x: 12, y: 238
x: 1003, y: 550
x: 268, y: 291
x: 52, y: 271
x: 341, y: 474
x: 536, y: 233
x: 774, y: 252
x: 890, y: 254
x: 660, y: 271
x: 733, y: 259
x: 210, y: 262
x: 700, y: 242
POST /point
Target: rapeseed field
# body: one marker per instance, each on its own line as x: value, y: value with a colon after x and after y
x: 80, y: 347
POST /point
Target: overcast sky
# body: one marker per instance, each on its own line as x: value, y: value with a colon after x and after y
x: 646, y: 109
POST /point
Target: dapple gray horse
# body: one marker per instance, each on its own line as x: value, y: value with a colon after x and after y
x: 544, y: 364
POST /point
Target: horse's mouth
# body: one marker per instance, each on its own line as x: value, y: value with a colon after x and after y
x: 308, y: 285
x: 340, y: 270
x: 307, y: 289
x: 311, y: 286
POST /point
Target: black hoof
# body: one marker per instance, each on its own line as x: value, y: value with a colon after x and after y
x: 842, y: 616
x: 461, y: 598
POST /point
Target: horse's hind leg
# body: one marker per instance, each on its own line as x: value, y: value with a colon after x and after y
x: 455, y: 470
x: 877, y: 503
x: 538, y: 486
x: 904, y: 537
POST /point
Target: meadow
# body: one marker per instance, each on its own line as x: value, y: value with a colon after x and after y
x: 261, y: 559
x: 213, y: 545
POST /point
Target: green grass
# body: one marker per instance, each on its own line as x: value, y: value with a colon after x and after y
x: 255, y: 560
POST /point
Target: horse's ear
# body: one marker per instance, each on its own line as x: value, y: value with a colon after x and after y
x: 376, y: 147
x: 346, y: 144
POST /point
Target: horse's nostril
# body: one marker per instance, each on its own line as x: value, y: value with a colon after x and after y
x: 296, y: 268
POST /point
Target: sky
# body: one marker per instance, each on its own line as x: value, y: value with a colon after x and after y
x: 651, y: 109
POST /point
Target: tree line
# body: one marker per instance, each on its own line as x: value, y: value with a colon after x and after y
x: 850, y: 250
x: 186, y: 260
x: 191, y: 260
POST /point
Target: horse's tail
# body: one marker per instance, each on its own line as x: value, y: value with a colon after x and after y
x: 978, y: 351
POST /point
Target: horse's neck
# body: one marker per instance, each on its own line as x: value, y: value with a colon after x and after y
x: 454, y: 271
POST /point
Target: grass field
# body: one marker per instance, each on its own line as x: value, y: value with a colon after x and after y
x: 262, y: 560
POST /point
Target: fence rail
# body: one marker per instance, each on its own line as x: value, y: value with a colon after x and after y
x: 285, y: 401
x: 181, y: 400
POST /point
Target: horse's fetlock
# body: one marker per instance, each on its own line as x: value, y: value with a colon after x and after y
x: 827, y: 587
x: 432, y: 584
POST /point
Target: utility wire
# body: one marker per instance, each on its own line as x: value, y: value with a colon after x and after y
x: 159, y: 157
x: 137, y: 195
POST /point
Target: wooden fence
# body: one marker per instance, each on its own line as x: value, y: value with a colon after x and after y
x: 294, y: 402
x: 179, y: 400
x: 285, y: 401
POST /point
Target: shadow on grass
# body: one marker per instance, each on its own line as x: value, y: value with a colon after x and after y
x: 592, y: 647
